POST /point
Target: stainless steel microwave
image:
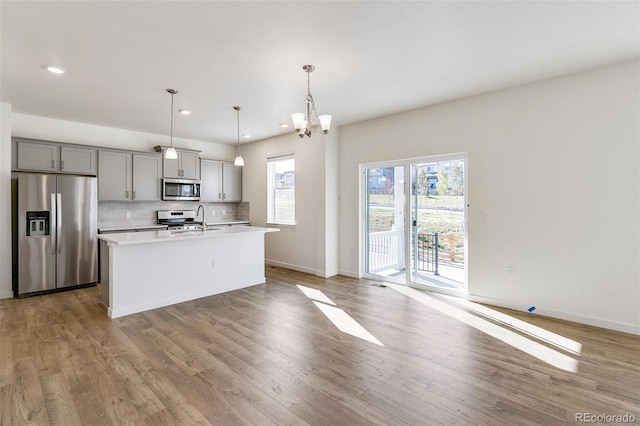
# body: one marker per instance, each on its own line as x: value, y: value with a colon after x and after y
x: 180, y: 189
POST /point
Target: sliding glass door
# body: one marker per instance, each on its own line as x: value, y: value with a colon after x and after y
x: 385, y: 203
x: 416, y: 207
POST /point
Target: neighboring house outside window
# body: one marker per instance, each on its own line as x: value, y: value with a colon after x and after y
x: 281, y: 190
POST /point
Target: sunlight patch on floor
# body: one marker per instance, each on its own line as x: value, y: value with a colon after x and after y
x: 533, y: 330
x: 342, y: 320
x: 315, y: 294
x: 535, y: 349
x: 345, y: 323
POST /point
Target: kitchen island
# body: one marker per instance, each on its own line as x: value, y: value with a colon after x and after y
x: 148, y: 270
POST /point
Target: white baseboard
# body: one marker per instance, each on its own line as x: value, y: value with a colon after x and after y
x: 6, y: 295
x: 568, y: 316
x: 350, y: 274
x: 291, y: 266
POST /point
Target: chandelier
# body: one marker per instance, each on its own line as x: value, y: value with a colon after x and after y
x: 305, y: 125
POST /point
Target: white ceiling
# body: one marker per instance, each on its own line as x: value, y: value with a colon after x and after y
x: 371, y: 58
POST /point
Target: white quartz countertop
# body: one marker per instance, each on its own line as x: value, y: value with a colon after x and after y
x: 153, y: 226
x: 162, y: 236
x: 130, y: 228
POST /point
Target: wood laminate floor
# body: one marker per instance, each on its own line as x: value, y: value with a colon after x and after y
x: 269, y: 355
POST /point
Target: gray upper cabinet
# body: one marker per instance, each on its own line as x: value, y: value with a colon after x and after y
x: 78, y: 160
x: 38, y: 156
x: 186, y: 166
x: 129, y: 177
x: 48, y: 157
x: 210, y: 180
x: 220, y: 181
x: 147, y: 176
x: 115, y: 176
x: 231, y: 182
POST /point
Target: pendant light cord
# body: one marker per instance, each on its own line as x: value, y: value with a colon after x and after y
x: 237, y: 108
x: 171, y: 131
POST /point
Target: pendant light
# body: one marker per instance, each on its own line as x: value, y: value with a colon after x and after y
x: 170, y: 153
x: 239, y: 161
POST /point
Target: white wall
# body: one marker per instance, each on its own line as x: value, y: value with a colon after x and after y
x: 34, y: 127
x: 555, y: 167
x: 5, y: 204
x: 303, y: 247
x: 332, y: 197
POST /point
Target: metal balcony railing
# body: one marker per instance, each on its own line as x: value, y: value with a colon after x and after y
x: 426, y: 247
x: 432, y: 251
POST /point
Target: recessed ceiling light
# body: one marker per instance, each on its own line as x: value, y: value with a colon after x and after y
x: 55, y: 69
x: 283, y: 125
x: 185, y: 111
x: 246, y: 135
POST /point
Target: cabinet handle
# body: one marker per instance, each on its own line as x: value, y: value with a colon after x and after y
x: 219, y: 195
x: 61, y: 164
x: 134, y: 195
x: 53, y: 164
x: 224, y: 195
x: 126, y: 194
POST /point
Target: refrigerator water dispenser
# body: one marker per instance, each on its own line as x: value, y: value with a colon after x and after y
x: 37, y: 224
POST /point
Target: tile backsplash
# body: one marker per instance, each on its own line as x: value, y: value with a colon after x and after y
x: 114, y: 214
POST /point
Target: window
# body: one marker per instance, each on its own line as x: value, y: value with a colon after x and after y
x: 281, y: 197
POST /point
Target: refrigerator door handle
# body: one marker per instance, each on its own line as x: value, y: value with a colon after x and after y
x: 59, y: 221
x: 54, y: 220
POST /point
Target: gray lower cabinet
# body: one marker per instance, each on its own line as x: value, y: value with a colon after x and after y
x: 51, y: 157
x: 220, y: 181
x: 124, y: 176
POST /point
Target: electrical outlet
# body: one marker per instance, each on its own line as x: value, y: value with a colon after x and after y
x: 510, y: 271
x: 213, y: 263
x: 213, y: 212
x: 127, y: 215
x: 224, y: 212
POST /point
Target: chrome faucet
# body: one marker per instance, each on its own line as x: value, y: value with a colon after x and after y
x: 204, y: 225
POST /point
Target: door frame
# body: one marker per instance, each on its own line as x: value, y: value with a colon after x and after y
x: 364, y: 220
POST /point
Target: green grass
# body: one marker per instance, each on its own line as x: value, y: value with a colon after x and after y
x: 442, y: 222
x: 445, y: 215
x: 437, y: 201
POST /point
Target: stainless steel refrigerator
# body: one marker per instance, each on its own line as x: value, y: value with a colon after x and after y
x: 55, y: 227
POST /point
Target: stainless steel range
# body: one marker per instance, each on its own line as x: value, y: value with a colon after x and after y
x: 178, y: 219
